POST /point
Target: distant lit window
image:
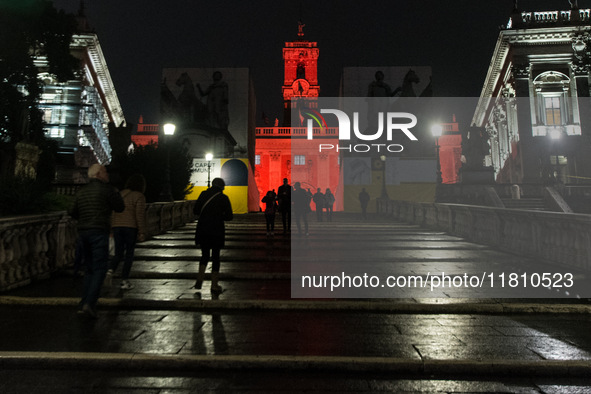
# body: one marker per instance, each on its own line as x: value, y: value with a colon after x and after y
x: 47, y: 115
x: 82, y: 139
x: 299, y: 160
x: 56, y: 133
x: 257, y: 160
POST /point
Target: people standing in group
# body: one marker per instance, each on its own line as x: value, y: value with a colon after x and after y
x: 129, y: 227
x: 93, y: 207
x: 284, y: 197
x: 329, y: 200
x: 318, y: 199
x: 301, y: 206
x: 213, y: 207
x: 270, y: 209
x: 364, y: 200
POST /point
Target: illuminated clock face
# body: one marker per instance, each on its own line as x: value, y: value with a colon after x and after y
x: 300, y: 87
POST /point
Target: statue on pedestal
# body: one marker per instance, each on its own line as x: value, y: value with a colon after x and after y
x: 474, y: 147
x: 217, y: 102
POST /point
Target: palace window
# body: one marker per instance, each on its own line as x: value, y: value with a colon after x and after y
x: 299, y: 160
x: 552, y: 109
x: 555, y: 107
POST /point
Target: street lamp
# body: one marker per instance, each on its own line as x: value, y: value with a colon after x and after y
x: 166, y: 194
x: 437, y: 130
x: 384, y: 191
x: 208, y: 157
x: 555, y: 135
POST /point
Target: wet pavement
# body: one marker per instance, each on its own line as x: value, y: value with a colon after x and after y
x: 253, y: 382
x: 164, y: 337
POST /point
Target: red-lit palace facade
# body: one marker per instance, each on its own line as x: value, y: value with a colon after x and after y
x: 285, y: 152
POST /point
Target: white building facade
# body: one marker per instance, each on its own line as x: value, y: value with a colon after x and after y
x: 535, y: 102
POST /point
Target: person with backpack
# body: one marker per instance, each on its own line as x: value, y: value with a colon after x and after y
x: 129, y: 227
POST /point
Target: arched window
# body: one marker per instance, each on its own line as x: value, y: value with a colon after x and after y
x: 554, y: 105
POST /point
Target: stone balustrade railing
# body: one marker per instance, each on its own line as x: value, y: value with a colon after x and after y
x: 33, y: 246
x: 562, y: 238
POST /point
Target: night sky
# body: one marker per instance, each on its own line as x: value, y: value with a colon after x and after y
x: 140, y: 37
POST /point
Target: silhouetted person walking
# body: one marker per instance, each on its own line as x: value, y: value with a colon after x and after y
x: 93, y: 206
x: 270, y: 209
x: 129, y: 226
x: 318, y: 199
x: 213, y: 208
x: 301, y: 206
x: 329, y: 200
x: 284, y: 197
x: 364, y: 200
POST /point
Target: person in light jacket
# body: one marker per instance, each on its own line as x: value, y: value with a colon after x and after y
x: 129, y: 227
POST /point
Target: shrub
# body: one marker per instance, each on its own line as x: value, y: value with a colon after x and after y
x: 20, y: 196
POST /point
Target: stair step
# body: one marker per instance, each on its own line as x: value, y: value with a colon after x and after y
x: 530, y: 204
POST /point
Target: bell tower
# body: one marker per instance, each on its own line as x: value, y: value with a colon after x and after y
x: 300, y: 59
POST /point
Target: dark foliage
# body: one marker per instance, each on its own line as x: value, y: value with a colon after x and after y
x: 150, y: 161
x: 30, y: 28
x: 19, y: 196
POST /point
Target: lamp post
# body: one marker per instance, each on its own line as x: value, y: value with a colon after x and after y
x: 208, y: 157
x: 166, y: 194
x: 437, y: 130
x: 384, y: 191
x: 555, y: 135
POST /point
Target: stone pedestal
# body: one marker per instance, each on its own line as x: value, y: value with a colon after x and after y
x: 27, y: 156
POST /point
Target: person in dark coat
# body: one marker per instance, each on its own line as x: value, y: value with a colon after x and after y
x: 213, y: 207
x: 318, y: 199
x: 271, y: 207
x: 301, y: 206
x: 364, y: 200
x: 92, y: 207
x: 284, y: 198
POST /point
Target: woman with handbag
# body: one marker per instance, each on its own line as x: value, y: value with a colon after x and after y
x: 213, y: 208
x: 129, y: 226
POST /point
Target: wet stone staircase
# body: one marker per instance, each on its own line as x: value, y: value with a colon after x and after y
x: 163, y: 327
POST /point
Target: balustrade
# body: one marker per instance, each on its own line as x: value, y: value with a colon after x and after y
x: 33, y: 246
x: 562, y: 238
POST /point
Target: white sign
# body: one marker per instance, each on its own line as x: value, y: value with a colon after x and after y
x: 200, y: 171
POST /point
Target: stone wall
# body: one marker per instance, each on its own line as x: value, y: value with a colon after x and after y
x: 33, y: 246
x: 561, y: 238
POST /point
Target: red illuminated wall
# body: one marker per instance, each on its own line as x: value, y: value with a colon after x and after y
x: 300, y: 61
x: 277, y: 151
x: 275, y: 146
x: 450, y: 152
x: 146, y: 133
